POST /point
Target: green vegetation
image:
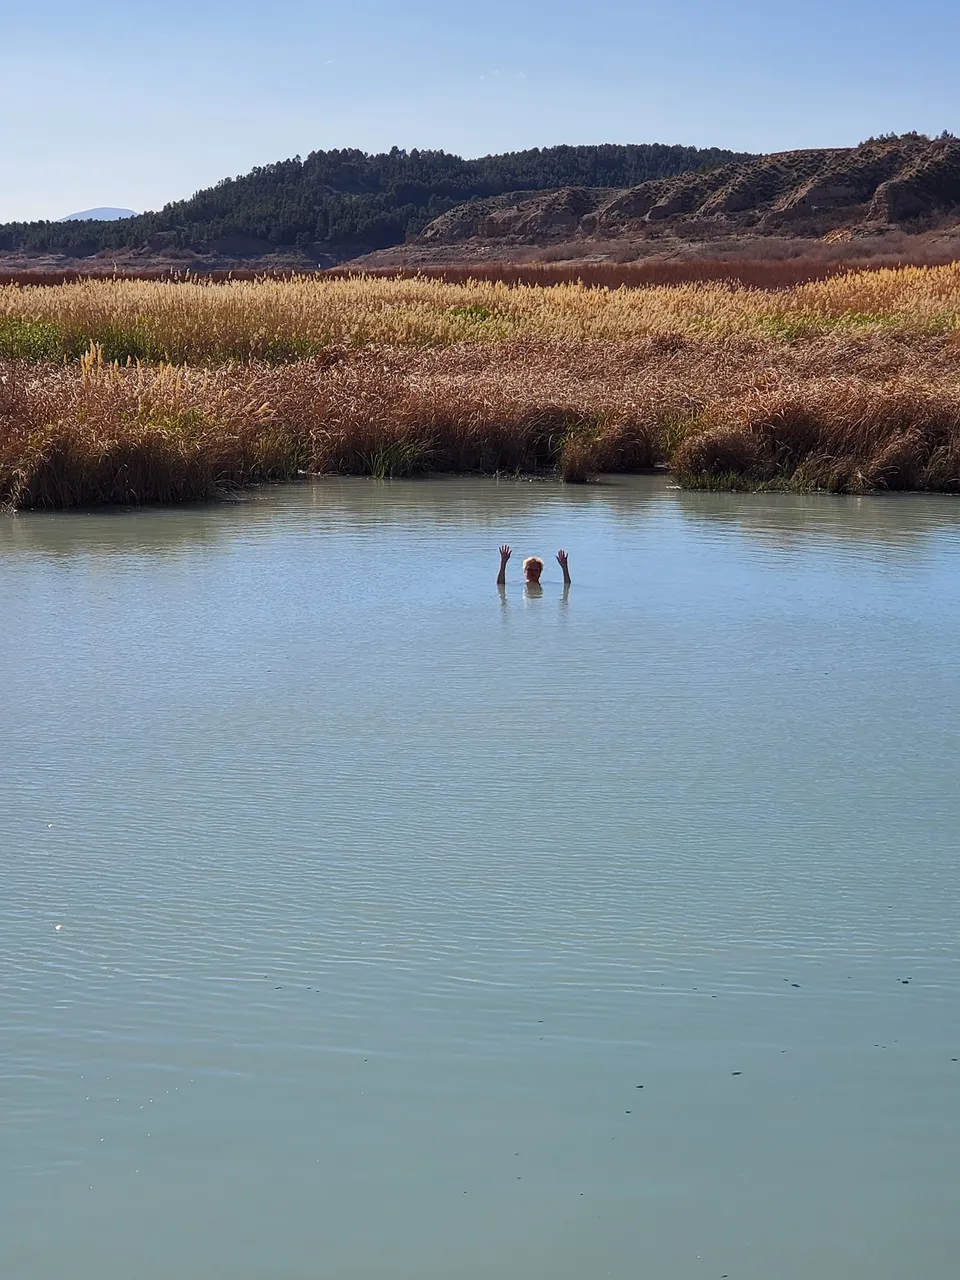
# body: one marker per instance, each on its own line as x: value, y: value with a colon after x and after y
x: 29, y: 340
x: 335, y: 198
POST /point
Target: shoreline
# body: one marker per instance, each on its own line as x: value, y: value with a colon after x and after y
x: 712, y: 415
x: 126, y: 392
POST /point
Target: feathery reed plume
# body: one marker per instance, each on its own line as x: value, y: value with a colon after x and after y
x: 281, y: 321
x: 167, y: 392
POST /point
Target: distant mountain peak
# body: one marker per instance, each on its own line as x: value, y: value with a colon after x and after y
x: 99, y: 215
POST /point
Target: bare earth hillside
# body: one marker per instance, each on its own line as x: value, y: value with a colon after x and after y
x: 901, y: 183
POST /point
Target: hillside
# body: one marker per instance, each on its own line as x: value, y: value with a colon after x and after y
x: 904, y: 181
x: 335, y: 204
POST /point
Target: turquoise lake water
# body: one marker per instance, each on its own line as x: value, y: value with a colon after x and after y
x: 357, y: 922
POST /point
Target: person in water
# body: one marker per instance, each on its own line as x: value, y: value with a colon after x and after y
x: 532, y: 568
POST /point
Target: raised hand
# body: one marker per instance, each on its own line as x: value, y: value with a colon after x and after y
x: 504, y: 557
x: 562, y: 562
x: 504, y: 553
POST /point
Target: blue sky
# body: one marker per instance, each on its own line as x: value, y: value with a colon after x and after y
x: 134, y: 105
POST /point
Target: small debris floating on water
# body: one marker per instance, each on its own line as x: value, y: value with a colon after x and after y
x: 57, y: 927
x: 736, y: 1073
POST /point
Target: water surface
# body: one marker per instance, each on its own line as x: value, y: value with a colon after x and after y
x: 380, y: 897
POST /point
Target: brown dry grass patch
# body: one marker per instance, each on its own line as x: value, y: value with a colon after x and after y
x: 846, y: 412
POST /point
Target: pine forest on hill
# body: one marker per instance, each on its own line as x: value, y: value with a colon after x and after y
x: 346, y: 197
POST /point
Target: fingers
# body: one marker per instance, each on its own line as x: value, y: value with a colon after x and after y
x: 505, y: 551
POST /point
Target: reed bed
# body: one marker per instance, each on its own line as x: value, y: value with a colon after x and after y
x: 744, y: 271
x: 848, y: 410
x: 134, y: 391
x: 278, y: 321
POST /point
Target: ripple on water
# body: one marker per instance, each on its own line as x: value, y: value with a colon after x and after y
x: 371, y: 885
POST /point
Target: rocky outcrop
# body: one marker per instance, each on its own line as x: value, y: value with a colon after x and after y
x: 896, y: 201
x: 819, y: 192
x: 523, y: 216
x: 816, y: 196
x: 929, y: 184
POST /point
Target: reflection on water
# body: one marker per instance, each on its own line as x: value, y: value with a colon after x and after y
x: 891, y: 520
x: 533, y: 591
x: 894, y: 520
x: 360, y: 919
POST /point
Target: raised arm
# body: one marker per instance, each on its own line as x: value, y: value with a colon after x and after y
x: 504, y: 557
x: 562, y: 562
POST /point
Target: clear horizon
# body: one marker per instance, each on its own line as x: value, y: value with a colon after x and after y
x: 246, y: 88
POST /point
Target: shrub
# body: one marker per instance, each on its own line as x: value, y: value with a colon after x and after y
x: 34, y: 340
x: 719, y: 452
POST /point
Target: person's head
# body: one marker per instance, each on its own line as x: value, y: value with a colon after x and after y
x: 532, y: 568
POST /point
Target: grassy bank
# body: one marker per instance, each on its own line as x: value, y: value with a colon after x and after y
x: 849, y: 384
x: 847, y: 413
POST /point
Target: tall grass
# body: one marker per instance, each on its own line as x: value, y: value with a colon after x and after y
x: 133, y: 391
x: 848, y: 411
x: 841, y: 435
x: 281, y: 321
x: 109, y: 435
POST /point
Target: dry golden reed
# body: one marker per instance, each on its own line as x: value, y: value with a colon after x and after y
x: 843, y: 412
x: 190, y: 389
x: 280, y: 320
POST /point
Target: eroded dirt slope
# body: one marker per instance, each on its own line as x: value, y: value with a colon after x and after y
x: 856, y: 190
